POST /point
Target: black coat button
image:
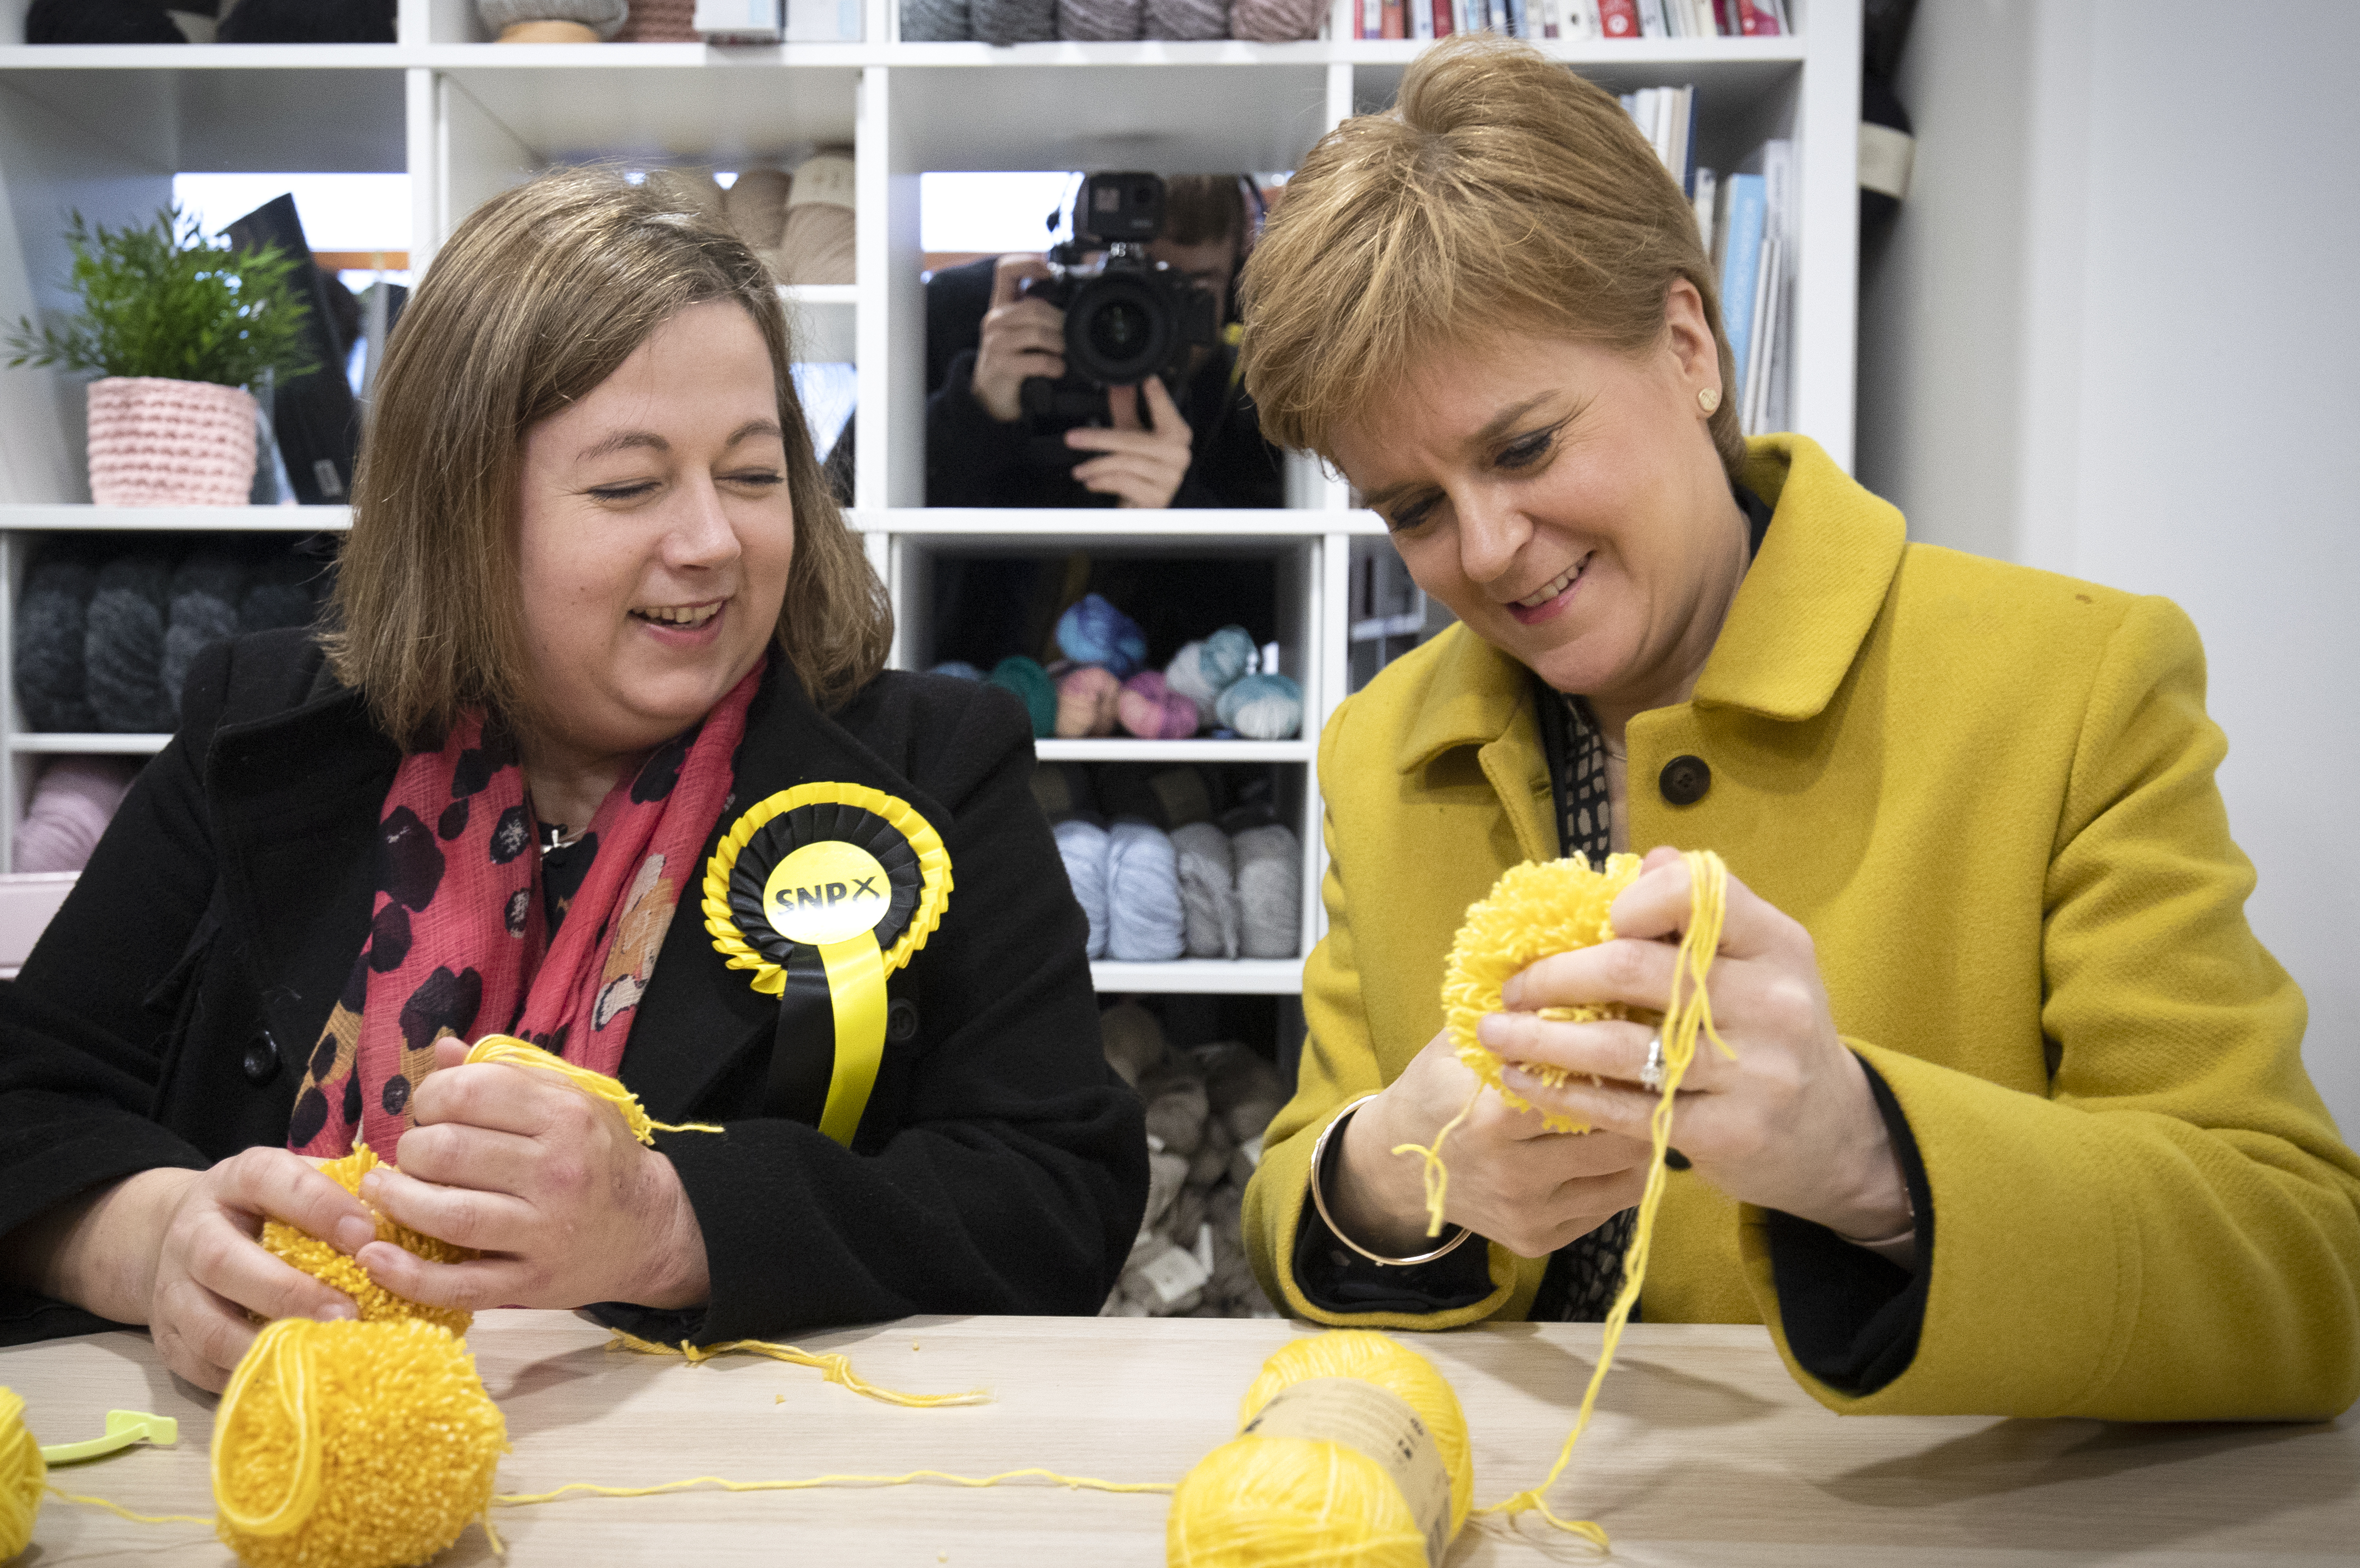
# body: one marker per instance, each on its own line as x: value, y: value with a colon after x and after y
x: 902, y: 1020
x: 1684, y: 780
x: 262, y: 1060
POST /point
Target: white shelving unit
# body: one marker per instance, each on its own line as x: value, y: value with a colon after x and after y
x: 104, y: 130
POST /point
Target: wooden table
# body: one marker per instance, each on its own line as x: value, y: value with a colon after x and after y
x: 1703, y: 1452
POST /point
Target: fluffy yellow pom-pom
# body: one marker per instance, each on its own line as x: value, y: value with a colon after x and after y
x: 1318, y: 1492
x: 1533, y: 910
x: 21, y: 1478
x: 356, y: 1444
x: 323, y: 1262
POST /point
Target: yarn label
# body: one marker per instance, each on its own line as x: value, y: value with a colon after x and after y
x: 1382, y: 1425
x: 825, y: 179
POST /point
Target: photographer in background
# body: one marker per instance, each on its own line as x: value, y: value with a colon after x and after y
x: 1193, y: 444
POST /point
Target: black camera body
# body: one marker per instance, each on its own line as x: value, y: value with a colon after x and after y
x: 1127, y: 317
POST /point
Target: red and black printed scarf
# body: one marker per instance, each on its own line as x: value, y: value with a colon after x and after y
x: 458, y: 944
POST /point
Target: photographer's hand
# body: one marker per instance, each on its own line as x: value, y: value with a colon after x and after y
x: 1142, y: 468
x: 1021, y: 337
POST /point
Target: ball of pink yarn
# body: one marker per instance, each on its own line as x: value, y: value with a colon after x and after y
x: 1086, y: 701
x: 72, y: 806
x: 1154, y: 711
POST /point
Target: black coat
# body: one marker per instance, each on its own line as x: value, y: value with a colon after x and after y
x: 1000, y: 1166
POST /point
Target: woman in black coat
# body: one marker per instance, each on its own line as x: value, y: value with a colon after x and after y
x: 593, y: 578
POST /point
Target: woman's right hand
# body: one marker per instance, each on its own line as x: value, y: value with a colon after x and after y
x: 178, y: 1250
x: 1512, y: 1179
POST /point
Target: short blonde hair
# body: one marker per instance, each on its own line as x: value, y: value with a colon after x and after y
x: 536, y: 298
x: 1503, y: 195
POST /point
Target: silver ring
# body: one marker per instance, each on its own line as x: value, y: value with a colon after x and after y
x: 1651, y: 1077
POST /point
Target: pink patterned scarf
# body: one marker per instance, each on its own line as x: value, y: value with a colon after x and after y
x: 459, y: 943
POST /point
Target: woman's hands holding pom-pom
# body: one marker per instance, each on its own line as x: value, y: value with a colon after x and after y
x: 547, y: 1183
x: 1788, y: 1123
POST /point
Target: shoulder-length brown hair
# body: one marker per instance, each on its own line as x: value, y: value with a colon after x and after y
x: 537, y: 298
x: 1503, y: 195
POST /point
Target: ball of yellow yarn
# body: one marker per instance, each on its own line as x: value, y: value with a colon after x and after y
x: 1280, y: 1501
x: 1533, y: 910
x: 22, y: 1473
x: 323, y: 1262
x: 357, y: 1444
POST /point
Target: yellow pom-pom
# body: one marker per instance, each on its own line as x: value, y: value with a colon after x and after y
x: 508, y: 1048
x: 358, y: 1445
x: 323, y: 1262
x: 22, y: 1475
x: 1532, y: 910
x: 1351, y: 1448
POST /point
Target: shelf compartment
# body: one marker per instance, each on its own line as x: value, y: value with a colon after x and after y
x: 1229, y: 977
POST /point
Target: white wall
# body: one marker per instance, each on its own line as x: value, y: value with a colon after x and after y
x: 2112, y: 334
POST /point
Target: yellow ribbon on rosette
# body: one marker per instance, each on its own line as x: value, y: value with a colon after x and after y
x: 823, y: 890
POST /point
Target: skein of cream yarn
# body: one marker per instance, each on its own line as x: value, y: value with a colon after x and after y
x: 1351, y: 1450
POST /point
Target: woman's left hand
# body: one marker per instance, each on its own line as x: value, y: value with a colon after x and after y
x: 1789, y: 1125
x: 565, y: 1205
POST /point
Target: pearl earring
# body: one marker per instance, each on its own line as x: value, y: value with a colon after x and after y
x: 1708, y: 398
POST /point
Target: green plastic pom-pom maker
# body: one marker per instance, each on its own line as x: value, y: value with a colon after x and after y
x: 124, y: 1428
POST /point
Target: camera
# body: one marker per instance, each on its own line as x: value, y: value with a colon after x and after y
x: 1127, y: 317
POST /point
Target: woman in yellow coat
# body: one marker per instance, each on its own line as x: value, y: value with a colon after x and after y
x: 2018, y: 1121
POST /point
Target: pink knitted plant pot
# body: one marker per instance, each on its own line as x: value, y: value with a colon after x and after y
x: 159, y: 442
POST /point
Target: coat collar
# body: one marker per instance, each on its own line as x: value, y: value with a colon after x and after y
x: 1797, y: 623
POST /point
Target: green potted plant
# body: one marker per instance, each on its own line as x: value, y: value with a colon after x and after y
x: 177, y: 328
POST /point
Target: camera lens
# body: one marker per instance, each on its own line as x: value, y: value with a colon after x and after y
x: 1117, y: 330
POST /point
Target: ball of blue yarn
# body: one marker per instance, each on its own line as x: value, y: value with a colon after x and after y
x: 958, y: 667
x: 1146, y: 922
x: 1226, y: 656
x: 1093, y: 632
x: 1032, y: 687
x: 1083, y: 847
x: 1262, y: 707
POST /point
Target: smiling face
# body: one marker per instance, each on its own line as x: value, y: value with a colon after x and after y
x: 654, y: 536
x: 1567, y: 502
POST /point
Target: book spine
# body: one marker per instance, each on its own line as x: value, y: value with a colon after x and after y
x: 1739, y: 266
x: 1701, y: 198
x: 1755, y: 20
x: 1519, y: 24
x: 1372, y: 20
x: 1651, y: 19
x: 1497, y: 12
x: 1618, y: 19
x: 1391, y: 19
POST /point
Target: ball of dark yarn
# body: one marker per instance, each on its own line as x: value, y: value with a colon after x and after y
x: 51, y: 615
x: 206, y: 590
x: 936, y: 21
x: 309, y: 22
x: 123, y: 644
x: 1276, y: 21
x: 1015, y: 21
x: 1100, y: 21
x: 1187, y: 18
x: 100, y: 22
x: 281, y: 591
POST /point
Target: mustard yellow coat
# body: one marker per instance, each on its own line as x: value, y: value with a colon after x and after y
x: 1988, y: 793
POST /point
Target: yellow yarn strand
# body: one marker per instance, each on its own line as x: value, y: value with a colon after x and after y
x: 587, y: 1488
x: 278, y: 1349
x: 834, y: 1368
x: 117, y: 1508
x: 508, y: 1048
x: 1686, y: 1014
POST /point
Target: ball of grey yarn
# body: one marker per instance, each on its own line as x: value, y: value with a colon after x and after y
x: 1187, y: 18
x: 1269, y: 892
x: 1100, y: 21
x: 1276, y: 21
x: 1208, y: 893
x: 1145, y: 920
x: 756, y: 206
x: 936, y: 22
x: 51, y: 614
x: 123, y: 644
x: 604, y: 17
x: 282, y: 591
x: 206, y: 588
x: 1083, y: 847
x: 1015, y: 21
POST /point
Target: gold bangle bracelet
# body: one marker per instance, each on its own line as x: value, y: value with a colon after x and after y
x: 1319, y: 1200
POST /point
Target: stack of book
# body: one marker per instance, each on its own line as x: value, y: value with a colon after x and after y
x: 1423, y: 20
